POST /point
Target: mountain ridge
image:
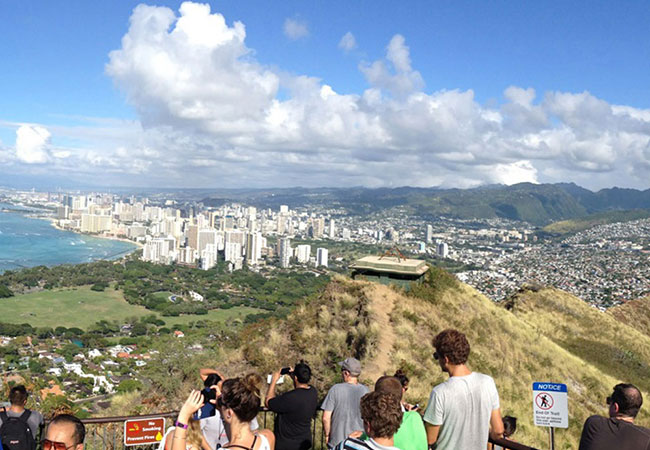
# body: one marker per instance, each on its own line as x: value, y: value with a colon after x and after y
x: 539, y: 204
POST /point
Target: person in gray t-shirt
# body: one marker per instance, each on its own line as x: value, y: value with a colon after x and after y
x: 463, y: 410
x: 341, y: 410
x: 18, y: 398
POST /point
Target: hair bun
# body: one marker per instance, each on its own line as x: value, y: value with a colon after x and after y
x: 252, y: 383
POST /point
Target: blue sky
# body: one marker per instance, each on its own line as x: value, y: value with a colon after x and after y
x: 589, y: 56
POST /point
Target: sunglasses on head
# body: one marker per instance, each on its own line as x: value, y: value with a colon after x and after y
x: 53, y: 445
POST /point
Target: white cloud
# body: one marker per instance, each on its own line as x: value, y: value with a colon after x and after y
x: 31, y: 144
x: 402, y: 79
x: 513, y: 173
x: 210, y: 115
x: 295, y: 29
x: 348, y: 42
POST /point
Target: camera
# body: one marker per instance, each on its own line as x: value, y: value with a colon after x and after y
x: 286, y: 371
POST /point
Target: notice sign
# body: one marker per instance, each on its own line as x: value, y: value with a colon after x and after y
x: 144, y: 431
x: 550, y: 405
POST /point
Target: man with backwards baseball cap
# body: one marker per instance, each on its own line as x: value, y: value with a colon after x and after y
x: 341, y: 407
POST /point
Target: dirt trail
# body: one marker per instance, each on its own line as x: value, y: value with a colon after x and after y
x: 383, y: 302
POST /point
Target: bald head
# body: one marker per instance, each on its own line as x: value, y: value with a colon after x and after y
x: 628, y: 398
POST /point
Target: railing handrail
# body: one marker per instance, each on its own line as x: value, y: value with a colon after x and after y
x: 512, y: 445
x: 505, y: 443
x: 112, y: 419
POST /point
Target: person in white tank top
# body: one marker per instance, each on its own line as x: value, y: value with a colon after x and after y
x: 238, y: 400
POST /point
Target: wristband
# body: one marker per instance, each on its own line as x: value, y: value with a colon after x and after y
x: 181, y: 425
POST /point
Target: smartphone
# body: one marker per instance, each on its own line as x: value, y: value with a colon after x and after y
x: 208, y: 409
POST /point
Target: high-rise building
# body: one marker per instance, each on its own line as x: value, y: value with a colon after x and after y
x: 332, y: 229
x: 209, y: 257
x: 233, y: 236
x: 187, y: 255
x: 281, y: 225
x: 232, y: 251
x: 321, y: 257
x: 253, y: 248
x: 303, y: 253
x: 284, y: 250
x: 193, y: 236
x: 429, y: 234
x: 95, y: 223
x: 443, y: 250
x: 284, y: 209
x: 206, y: 236
x: 319, y: 227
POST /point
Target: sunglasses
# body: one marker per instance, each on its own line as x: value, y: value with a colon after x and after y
x: 436, y: 355
x: 53, y: 445
x: 609, y: 400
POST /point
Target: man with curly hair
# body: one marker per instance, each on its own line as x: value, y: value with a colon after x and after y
x: 464, y: 410
x: 382, y: 416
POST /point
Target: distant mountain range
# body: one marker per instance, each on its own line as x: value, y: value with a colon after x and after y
x: 539, y: 204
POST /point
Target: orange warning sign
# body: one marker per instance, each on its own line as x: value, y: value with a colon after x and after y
x: 144, y: 431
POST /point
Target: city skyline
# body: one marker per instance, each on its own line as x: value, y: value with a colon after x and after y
x: 227, y: 95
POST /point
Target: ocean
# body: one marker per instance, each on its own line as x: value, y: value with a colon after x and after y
x: 28, y: 242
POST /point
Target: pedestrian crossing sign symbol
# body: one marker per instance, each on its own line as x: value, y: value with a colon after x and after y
x: 550, y: 405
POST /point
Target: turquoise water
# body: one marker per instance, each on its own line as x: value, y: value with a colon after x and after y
x: 27, y: 242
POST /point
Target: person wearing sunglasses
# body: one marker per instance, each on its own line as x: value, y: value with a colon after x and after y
x: 65, y: 432
x: 618, y: 430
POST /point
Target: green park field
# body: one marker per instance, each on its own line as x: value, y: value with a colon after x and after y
x: 80, y: 307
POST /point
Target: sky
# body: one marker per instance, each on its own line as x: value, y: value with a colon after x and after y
x: 251, y: 94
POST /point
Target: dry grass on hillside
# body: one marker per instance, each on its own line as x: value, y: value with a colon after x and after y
x: 350, y: 318
x: 612, y: 346
x: 549, y: 336
x: 635, y: 313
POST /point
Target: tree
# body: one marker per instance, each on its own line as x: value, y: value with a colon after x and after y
x: 129, y: 386
x: 5, y: 292
x: 139, y: 329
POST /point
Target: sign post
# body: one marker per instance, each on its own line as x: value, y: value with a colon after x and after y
x: 144, y: 431
x: 550, y: 407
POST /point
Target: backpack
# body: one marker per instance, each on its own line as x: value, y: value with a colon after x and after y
x: 15, y: 433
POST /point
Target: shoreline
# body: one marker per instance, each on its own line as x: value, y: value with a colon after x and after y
x: 54, y: 224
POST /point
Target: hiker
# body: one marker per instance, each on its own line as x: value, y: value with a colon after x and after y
x: 448, y: 424
x: 19, y: 426
x: 618, y: 430
x: 341, y: 413
x: 382, y: 415
x: 295, y: 409
x: 238, y: 401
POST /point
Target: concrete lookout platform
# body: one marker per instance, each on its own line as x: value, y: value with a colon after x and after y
x: 389, y: 270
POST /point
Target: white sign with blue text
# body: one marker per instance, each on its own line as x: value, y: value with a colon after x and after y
x: 550, y: 405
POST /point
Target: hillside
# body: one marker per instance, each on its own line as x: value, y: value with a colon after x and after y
x: 547, y: 336
x: 539, y: 204
x: 387, y: 329
x: 584, y: 223
x: 635, y: 313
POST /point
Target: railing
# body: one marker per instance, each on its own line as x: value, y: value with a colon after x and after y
x: 107, y: 433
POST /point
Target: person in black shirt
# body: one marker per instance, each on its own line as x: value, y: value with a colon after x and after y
x: 295, y: 409
x: 618, y: 431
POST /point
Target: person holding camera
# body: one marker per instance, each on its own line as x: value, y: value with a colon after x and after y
x: 209, y: 417
x: 238, y: 402
x: 295, y: 409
